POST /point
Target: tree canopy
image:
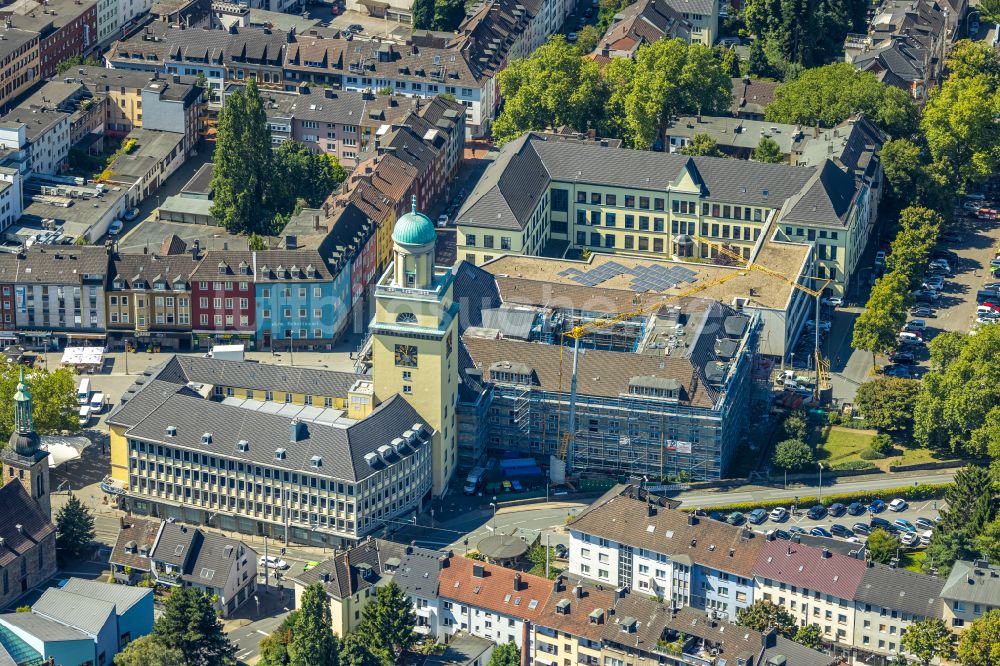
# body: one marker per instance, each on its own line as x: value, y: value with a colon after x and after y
x: 762, y: 615
x: 53, y: 399
x: 928, y: 639
x: 887, y: 404
x: 190, y: 626
x: 830, y: 94
x: 146, y: 651
x: 810, y: 635
x: 387, y: 623
x: 505, y: 655
x: 803, y: 33
x: 979, y: 644
x: 768, y: 151
x: 312, y: 642
x: 792, y: 455
x: 702, y: 144
x: 967, y: 512
x: 882, y: 546
x: 74, y: 527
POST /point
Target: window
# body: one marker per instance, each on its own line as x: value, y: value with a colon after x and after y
x: 560, y: 200
x: 611, y: 199
x: 470, y: 239
x: 609, y: 219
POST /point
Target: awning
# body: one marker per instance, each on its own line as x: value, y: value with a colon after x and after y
x: 83, y: 356
x: 87, y: 336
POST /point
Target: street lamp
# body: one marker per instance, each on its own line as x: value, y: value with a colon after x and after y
x: 820, y: 483
x: 494, y: 505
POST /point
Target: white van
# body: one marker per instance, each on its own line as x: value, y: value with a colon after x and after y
x: 97, y: 403
x: 909, y: 338
x: 84, y: 415
x: 83, y: 393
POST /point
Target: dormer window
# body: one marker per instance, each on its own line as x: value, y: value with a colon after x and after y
x: 206, y: 438
x: 280, y: 454
x: 223, y: 268
x: 316, y: 461
x: 243, y: 446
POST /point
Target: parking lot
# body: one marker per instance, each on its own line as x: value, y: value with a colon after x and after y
x: 925, y: 509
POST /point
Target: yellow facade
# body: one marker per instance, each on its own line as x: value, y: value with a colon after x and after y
x: 119, y: 454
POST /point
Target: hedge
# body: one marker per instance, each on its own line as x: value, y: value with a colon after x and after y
x: 924, y: 491
x: 853, y: 465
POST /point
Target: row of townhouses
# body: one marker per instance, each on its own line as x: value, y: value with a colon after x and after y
x: 543, y: 194
x: 648, y: 583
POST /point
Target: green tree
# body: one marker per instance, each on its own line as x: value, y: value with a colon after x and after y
x: 423, y: 14
x: 147, y: 651
x: 53, y: 397
x: 768, y: 151
x: 958, y: 124
x: 256, y: 242
x: 987, y: 542
x: 552, y: 87
x: 606, y: 12
x: 830, y: 94
x: 877, y: 327
x: 967, y: 58
x: 979, y: 644
x: 313, y: 642
x: 587, y: 39
x: 899, y: 660
x: 928, y: 640
x: 731, y: 63
x: 448, y: 14
x: 882, y: 546
x: 190, y: 625
x: 74, y: 527
x: 958, y: 409
x: 243, y: 176
x: 887, y: 403
x: 911, y: 179
x: 354, y: 652
x: 757, y: 64
x: 796, y: 426
x: 304, y: 175
x: 810, y: 635
x: 702, y: 144
x: 77, y: 61
x: 792, y: 455
x: 505, y: 655
x: 945, y: 549
x: 387, y: 623
x: 763, y: 615
x: 273, y: 648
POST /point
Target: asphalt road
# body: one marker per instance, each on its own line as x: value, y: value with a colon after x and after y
x: 247, y: 638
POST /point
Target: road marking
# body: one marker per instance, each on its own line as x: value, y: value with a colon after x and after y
x: 262, y: 633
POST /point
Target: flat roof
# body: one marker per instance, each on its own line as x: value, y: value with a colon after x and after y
x: 719, y: 283
x: 74, y: 220
x: 201, y: 181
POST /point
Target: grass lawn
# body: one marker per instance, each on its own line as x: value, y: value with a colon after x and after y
x: 913, y: 559
x: 840, y: 445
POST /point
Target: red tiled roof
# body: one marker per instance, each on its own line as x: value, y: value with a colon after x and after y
x: 575, y: 619
x: 812, y: 568
x: 495, y: 590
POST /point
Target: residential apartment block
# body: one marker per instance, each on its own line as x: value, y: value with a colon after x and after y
x: 263, y: 449
x: 972, y: 589
x: 65, y: 28
x: 18, y: 62
x: 58, y: 293
x: 540, y: 193
x: 37, y: 140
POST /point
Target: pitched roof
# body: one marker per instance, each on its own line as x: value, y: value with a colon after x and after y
x: 825, y: 199
x: 418, y: 571
x: 973, y: 582
x: 18, y: 509
x: 812, y: 568
x: 53, y: 265
x: 212, y: 560
x: 495, y: 589
x: 643, y: 22
x: 87, y: 614
x: 899, y: 589
x: 174, y: 543
x: 674, y: 533
x: 752, y: 95
x: 356, y: 568
x: 571, y: 605
x: 43, y: 628
x: 122, y: 596
x: 135, y: 534
x: 142, y: 271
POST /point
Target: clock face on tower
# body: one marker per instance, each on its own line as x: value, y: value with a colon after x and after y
x: 406, y: 356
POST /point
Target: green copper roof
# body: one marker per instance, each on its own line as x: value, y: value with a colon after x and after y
x: 414, y: 228
x: 22, y: 394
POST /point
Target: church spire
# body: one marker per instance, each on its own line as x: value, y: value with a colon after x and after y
x: 22, y: 406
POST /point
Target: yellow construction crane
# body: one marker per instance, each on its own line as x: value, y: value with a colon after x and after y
x: 581, y: 330
x: 822, y: 364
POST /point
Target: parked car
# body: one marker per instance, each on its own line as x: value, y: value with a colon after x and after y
x: 736, y: 518
x: 131, y: 214
x: 882, y: 524
x: 909, y: 539
x: 856, y: 509
x: 836, y: 509
x: 935, y: 282
x: 272, y: 562
x: 898, y: 371
x: 820, y: 532
x: 816, y: 512
x: 924, y: 523
x: 910, y: 338
x: 717, y: 515
x: 562, y: 552
x: 115, y: 228
x: 926, y: 295
x: 880, y: 257
x: 824, y: 326
x: 833, y: 302
x: 898, y: 505
x: 757, y: 516
x: 356, y: 27
x: 925, y: 538
x: 915, y: 325
x: 877, y: 506
x: 902, y: 358
x: 779, y: 514
x: 905, y: 525
x: 795, y: 529
x: 841, y: 530
x: 780, y: 534
x: 922, y: 310
x: 571, y: 37
x: 861, y: 528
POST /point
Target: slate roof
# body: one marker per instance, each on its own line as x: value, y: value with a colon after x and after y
x: 101, y: 79
x: 204, y: 558
x: 214, y: 46
x: 87, y: 614
x: 899, y: 589
x: 808, y: 567
x: 342, y: 574
x: 825, y: 199
x: 708, y: 542
x: 17, y: 508
x: 122, y: 596
x: 509, y: 189
x: 43, y: 628
x: 342, y: 450
x: 972, y: 584
x: 418, y: 572
x: 174, y: 543
x: 142, y: 271
x: 136, y: 532
x: 495, y: 591
x: 53, y: 265
x: 752, y: 95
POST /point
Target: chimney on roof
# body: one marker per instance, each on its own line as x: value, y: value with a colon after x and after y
x: 517, y: 582
x: 295, y: 430
x: 578, y: 591
x: 692, y: 519
x: 20, y: 528
x: 326, y: 577
x: 478, y: 571
x: 650, y: 510
x: 121, y: 522
x: 826, y: 553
